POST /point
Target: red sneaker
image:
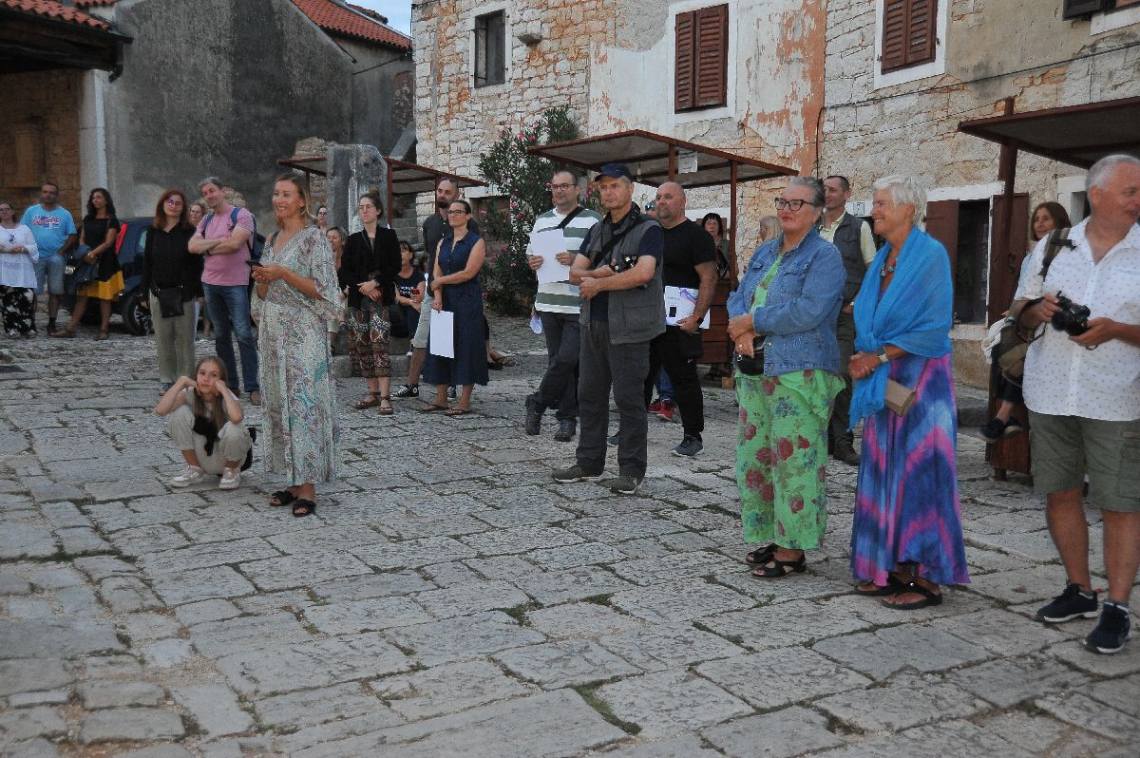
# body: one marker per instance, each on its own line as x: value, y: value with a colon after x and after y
x: 655, y: 406
x: 667, y: 410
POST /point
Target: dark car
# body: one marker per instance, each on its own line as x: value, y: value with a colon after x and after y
x: 131, y: 304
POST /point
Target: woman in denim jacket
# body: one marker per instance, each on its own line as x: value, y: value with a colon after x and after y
x: 789, y: 300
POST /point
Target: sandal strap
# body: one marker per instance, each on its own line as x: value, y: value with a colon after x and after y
x: 913, y: 586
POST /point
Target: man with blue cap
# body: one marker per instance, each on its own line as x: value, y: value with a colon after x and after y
x: 618, y: 272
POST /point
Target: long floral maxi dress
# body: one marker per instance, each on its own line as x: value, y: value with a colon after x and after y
x: 781, y: 450
x: 296, y: 382
x: 906, y: 505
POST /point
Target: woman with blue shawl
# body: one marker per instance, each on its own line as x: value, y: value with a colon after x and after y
x: 907, y: 534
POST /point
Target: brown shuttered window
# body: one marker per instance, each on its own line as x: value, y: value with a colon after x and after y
x: 910, y: 33
x: 1078, y: 8
x: 701, y: 59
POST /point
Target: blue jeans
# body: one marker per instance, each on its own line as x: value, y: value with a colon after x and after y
x: 228, y: 308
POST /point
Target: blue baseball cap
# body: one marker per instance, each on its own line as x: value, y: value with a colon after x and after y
x: 615, y: 171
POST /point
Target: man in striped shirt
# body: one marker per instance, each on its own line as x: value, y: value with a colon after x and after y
x: 558, y: 306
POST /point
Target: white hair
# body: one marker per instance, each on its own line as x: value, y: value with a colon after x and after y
x: 1103, y: 168
x: 905, y: 189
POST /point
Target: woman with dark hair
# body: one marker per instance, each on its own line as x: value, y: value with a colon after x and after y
x: 782, y: 322
x: 1045, y: 218
x: 294, y: 298
x: 455, y: 284
x: 322, y: 218
x: 206, y: 425
x: 409, y: 292
x: 98, y: 232
x: 172, y: 279
x: 368, y: 274
x: 18, y: 253
x: 714, y: 225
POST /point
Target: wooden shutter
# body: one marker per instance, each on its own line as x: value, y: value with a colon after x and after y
x: 1006, y: 259
x: 712, y: 56
x: 942, y: 225
x: 910, y: 33
x: 1077, y: 8
x: 684, y: 97
x: 700, y: 78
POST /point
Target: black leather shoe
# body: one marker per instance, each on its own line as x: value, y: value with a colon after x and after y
x: 566, y: 429
x: 845, y: 451
x: 533, y: 422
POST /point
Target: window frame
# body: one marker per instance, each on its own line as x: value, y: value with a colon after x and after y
x: 480, y: 32
x: 936, y: 67
x: 695, y: 58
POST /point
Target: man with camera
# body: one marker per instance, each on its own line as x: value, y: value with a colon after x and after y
x: 1082, y: 388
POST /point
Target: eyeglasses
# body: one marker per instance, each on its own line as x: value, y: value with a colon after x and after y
x: 456, y: 213
x: 792, y: 205
x: 559, y: 186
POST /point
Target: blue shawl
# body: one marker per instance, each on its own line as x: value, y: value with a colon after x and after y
x: 915, y: 313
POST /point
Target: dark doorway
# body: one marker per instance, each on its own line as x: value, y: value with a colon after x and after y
x: 971, y: 266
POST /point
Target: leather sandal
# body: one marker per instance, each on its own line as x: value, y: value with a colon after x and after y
x: 304, y: 507
x: 891, y: 588
x: 369, y: 401
x: 281, y: 497
x: 777, y: 569
x: 385, y: 404
x: 760, y: 555
x: 929, y: 597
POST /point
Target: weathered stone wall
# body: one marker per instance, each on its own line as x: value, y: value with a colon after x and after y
x: 216, y: 87
x: 383, y: 90
x: 43, y: 107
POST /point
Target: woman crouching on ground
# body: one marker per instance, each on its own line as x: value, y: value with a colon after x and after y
x: 206, y: 425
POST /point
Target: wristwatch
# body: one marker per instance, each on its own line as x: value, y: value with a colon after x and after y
x: 883, y: 357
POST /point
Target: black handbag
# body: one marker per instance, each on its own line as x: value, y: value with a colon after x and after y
x: 79, y: 271
x: 753, y: 366
x: 170, y: 301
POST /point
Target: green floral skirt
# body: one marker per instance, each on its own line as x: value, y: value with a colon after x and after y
x: 781, y: 456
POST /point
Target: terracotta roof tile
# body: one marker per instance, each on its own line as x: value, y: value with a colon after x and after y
x: 53, y: 10
x: 345, y: 19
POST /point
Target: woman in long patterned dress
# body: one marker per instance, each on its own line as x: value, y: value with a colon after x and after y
x: 790, y: 295
x: 455, y: 283
x: 907, y: 533
x: 295, y: 297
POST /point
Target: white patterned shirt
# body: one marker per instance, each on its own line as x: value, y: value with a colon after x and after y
x: 1063, y: 378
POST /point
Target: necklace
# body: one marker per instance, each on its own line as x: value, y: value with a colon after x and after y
x: 888, y: 268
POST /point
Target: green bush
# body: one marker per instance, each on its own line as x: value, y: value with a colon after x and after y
x: 522, y: 178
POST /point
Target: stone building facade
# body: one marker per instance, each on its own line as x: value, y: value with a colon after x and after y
x: 906, y: 120
x: 613, y: 62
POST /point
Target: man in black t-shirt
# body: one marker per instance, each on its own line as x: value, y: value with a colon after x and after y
x: 690, y: 263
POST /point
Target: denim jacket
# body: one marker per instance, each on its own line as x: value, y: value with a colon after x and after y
x: 803, y: 304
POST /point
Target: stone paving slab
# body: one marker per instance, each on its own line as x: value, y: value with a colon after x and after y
x: 450, y: 598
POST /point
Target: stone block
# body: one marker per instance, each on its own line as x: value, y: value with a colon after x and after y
x: 462, y: 638
x: 202, y: 556
x: 447, y: 689
x: 218, y: 638
x: 582, y: 620
x: 910, y: 646
x: 572, y: 556
x: 365, y: 615
x: 551, y: 588
x: 646, y: 571
x: 116, y: 724
x: 1082, y: 711
x: 679, y: 601
x: 466, y: 599
x: 624, y: 527
x: 779, y: 734
x: 302, y: 570
x: 206, y: 610
x: 670, y: 702
x: 67, y: 639
x: 372, y: 585
x: 31, y: 674
x: 311, y: 707
x: 26, y: 541
x: 903, y: 702
x: 566, y: 663
x: 168, y: 653
x: 1007, y: 682
x: 661, y: 646
x: 113, y: 694
x: 214, y: 708
x: 412, y: 554
x: 520, y: 539
x: 201, y: 584
x: 775, y: 678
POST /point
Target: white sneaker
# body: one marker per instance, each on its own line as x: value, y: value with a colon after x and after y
x: 191, y: 475
x: 231, y: 479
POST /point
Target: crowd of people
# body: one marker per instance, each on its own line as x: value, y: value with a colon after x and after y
x: 829, y: 333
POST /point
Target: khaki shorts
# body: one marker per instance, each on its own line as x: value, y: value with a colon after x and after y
x: 423, y: 328
x: 1067, y: 448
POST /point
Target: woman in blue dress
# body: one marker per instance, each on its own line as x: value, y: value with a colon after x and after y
x: 455, y: 282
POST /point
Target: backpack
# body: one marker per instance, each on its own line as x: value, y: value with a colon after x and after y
x: 256, y: 241
x: 1013, y: 344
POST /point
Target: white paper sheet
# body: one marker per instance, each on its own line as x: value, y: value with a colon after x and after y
x: 548, y: 244
x: 679, y: 304
x: 442, y: 333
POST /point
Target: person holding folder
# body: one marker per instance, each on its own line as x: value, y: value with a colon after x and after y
x: 456, y: 290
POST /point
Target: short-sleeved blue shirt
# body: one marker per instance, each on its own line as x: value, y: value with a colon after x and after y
x: 50, y: 228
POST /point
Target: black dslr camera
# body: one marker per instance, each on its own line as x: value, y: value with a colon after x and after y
x: 1071, y: 318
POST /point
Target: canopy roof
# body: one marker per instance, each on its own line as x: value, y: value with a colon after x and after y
x: 653, y: 157
x: 1079, y: 135
x: 404, y: 178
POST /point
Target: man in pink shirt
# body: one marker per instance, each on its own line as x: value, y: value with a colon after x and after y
x: 225, y: 237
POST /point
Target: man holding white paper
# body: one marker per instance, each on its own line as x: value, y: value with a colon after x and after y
x: 555, y: 240
x: 689, y: 276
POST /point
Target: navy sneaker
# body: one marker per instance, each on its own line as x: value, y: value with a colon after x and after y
x: 575, y: 473
x: 626, y: 484
x: 1112, y: 631
x: 689, y: 446
x: 1073, y: 603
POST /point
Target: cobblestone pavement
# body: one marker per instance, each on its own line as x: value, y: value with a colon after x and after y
x: 450, y: 599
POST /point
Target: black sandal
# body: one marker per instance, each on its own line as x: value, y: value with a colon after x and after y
x: 760, y: 555
x: 281, y: 498
x: 894, y: 584
x: 929, y: 597
x: 304, y: 507
x: 780, y: 569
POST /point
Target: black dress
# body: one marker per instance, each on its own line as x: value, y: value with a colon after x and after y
x: 94, y: 232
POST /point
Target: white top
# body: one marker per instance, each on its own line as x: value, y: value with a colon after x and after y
x: 1062, y: 378
x: 562, y: 297
x: 18, y: 270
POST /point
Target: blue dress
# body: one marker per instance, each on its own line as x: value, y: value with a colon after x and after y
x: 466, y: 301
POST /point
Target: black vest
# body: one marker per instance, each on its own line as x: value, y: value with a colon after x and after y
x: 847, y: 239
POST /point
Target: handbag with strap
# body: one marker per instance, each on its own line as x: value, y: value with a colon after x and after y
x: 170, y: 301
x: 79, y: 271
x: 1013, y: 342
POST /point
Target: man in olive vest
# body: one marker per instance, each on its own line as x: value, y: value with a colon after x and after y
x: 856, y: 244
x: 618, y: 272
